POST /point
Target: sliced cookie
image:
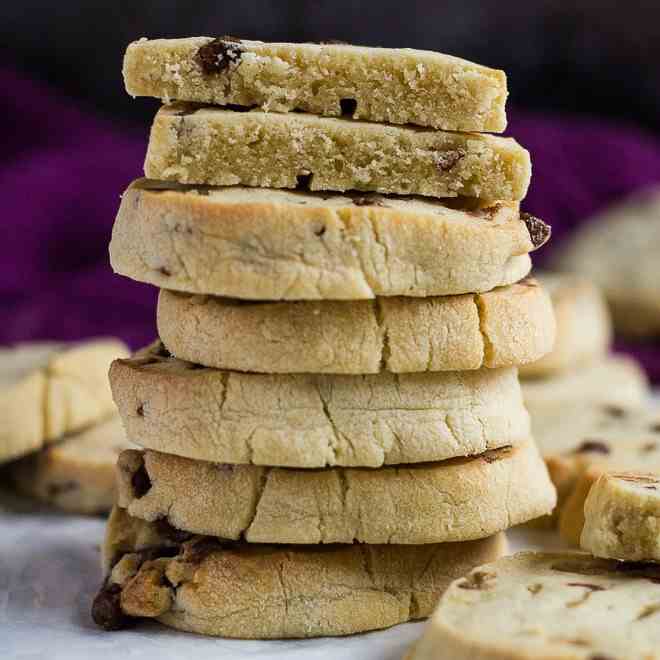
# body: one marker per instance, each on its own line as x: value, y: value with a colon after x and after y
x: 584, y: 326
x: 456, y: 500
x: 542, y: 606
x: 315, y: 420
x: 212, y: 586
x: 76, y: 474
x: 506, y: 327
x: 618, y: 250
x: 279, y: 245
x: 50, y: 389
x: 214, y: 146
x: 399, y: 86
x: 622, y: 517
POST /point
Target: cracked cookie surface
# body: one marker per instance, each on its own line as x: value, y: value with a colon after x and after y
x: 214, y: 587
x: 506, y: 327
x: 260, y: 244
x: 315, y: 420
x: 455, y: 500
x: 541, y: 606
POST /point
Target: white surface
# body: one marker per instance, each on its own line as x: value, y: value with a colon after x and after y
x: 49, y: 572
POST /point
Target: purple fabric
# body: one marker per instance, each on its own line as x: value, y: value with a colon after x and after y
x: 64, y: 170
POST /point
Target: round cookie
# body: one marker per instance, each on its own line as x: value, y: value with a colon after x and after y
x: 509, y: 326
x: 211, y: 586
x: 309, y: 420
x: 48, y: 390
x: 542, y: 606
x: 76, y: 474
x: 395, y: 86
x: 584, y: 326
x: 618, y: 250
x: 622, y: 517
x: 456, y: 500
x: 260, y: 244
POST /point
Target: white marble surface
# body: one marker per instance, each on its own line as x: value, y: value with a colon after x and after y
x: 49, y: 572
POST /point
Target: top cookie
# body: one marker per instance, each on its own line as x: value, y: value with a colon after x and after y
x: 399, y: 86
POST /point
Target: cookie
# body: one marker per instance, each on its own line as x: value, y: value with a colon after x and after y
x: 214, y: 146
x: 211, y: 586
x: 584, y: 326
x: 50, y: 389
x: 399, y: 86
x: 509, y: 326
x: 622, y: 517
x: 310, y: 420
x: 618, y: 250
x: 545, y: 606
x: 457, y: 500
x: 279, y: 245
x: 76, y: 474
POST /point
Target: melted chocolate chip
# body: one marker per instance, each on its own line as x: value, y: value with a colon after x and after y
x: 593, y: 446
x: 448, y: 159
x: 106, y: 608
x: 140, y: 482
x: 538, y: 230
x: 217, y: 55
x: 348, y: 107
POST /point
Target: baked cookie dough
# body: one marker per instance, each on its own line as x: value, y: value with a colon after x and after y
x: 76, y: 474
x: 211, y: 586
x: 214, y: 146
x: 310, y: 420
x: 584, y: 326
x: 398, y: 86
x: 505, y: 327
x: 50, y: 389
x: 457, y: 500
x: 622, y: 517
x: 541, y: 606
x: 279, y: 245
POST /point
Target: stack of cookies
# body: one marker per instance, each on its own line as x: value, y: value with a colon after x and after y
x: 332, y: 422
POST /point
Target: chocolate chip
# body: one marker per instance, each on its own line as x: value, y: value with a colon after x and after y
x: 445, y: 161
x: 614, y: 411
x: 319, y: 231
x: 593, y: 446
x: 304, y: 181
x: 140, y: 482
x: 140, y: 410
x: 165, y: 271
x: 54, y: 490
x: 348, y: 107
x: 586, y: 585
x: 538, y: 230
x: 219, y: 54
x: 106, y: 608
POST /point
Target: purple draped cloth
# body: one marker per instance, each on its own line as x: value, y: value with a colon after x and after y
x: 64, y: 171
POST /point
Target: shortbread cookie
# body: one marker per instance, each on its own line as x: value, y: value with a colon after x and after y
x: 506, y: 327
x: 215, y: 587
x: 76, y: 474
x: 618, y: 250
x: 309, y: 420
x: 616, y: 380
x: 213, y: 146
x: 584, y: 326
x: 50, y: 389
x: 544, y: 606
x: 279, y: 245
x: 456, y: 500
x: 622, y: 517
x: 399, y: 86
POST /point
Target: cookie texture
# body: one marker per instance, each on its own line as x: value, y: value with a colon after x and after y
x: 211, y: 586
x: 456, y: 500
x: 50, y: 389
x: 76, y: 474
x: 547, y: 606
x: 396, y: 86
x: 309, y: 420
x: 584, y: 326
x: 618, y: 251
x: 220, y: 147
x: 279, y: 245
x: 622, y: 517
x: 506, y: 327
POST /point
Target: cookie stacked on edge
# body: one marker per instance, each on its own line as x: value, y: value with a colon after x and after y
x: 332, y: 423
